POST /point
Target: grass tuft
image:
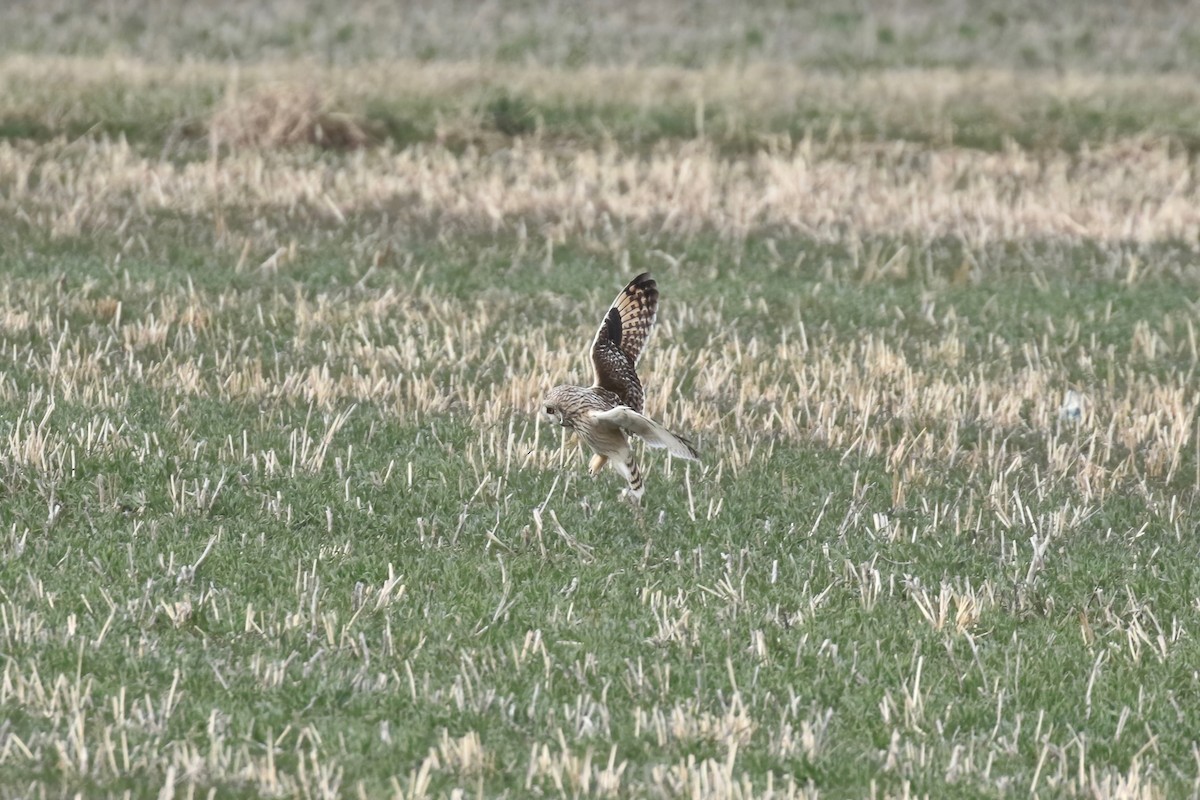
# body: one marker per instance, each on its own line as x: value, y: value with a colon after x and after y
x: 281, y: 116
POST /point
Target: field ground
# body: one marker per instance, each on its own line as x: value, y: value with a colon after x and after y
x: 279, y: 517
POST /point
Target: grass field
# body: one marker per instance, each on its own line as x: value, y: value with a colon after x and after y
x: 279, y: 295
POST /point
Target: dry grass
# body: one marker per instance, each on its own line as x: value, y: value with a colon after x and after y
x: 1131, y: 191
x: 274, y: 118
x: 751, y: 89
x: 747, y: 106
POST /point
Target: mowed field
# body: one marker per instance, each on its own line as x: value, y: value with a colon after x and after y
x: 280, y: 291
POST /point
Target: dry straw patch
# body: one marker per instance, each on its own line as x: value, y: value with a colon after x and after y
x: 281, y: 116
x: 749, y: 89
x: 1138, y: 190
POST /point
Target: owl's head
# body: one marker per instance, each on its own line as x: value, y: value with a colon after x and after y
x: 556, y: 405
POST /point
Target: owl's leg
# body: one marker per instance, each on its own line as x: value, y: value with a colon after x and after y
x: 637, y: 487
x: 597, y: 463
x: 629, y: 470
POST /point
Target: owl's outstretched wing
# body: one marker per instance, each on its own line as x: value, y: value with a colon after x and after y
x: 654, y: 434
x: 623, y: 334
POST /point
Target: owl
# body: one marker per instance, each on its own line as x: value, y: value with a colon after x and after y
x: 608, y: 411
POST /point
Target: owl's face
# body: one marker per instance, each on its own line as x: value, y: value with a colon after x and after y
x: 552, y: 408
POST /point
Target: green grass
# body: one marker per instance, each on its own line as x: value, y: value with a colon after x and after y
x: 277, y: 515
x: 166, y: 110
x: 661, y: 639
x: 490, y: 116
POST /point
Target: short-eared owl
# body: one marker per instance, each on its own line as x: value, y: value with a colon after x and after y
x: 605, y: 413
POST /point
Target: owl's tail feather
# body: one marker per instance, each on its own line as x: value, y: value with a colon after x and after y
x: 650, y: 431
